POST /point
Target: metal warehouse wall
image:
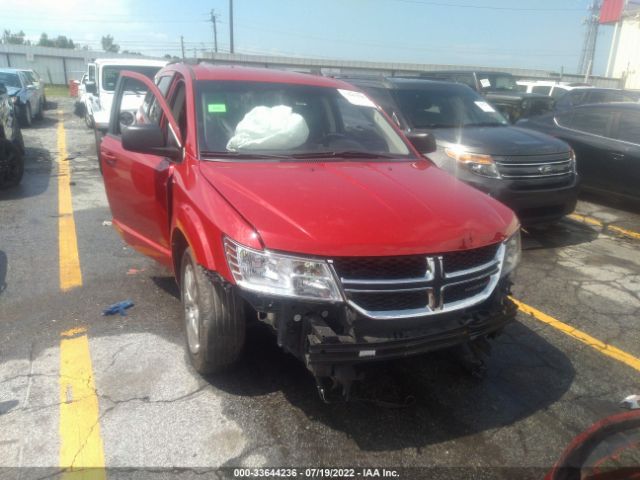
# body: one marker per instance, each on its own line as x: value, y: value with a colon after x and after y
x: 59, y: 66
x: 626, y: 62
x: 55, y: 65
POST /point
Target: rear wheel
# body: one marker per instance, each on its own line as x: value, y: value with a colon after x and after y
x: 88, y: 119
x: 11, y: 164
x: 213, y: 318
x: 40, y: 113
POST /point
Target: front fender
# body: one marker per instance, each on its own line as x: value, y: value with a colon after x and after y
x: 187, y: 221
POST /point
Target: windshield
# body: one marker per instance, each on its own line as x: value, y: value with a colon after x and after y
x: 111, y: 73
x: 10, y: 79
x: 446, y: 107
x: 287, y: 120
x: 497, y: 81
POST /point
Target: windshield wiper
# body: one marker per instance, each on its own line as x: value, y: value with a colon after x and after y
x: 245, y: 156
x: 343, y: 154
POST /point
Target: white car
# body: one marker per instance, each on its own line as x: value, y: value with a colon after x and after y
x: 99, y: 85
x: 549, y: 87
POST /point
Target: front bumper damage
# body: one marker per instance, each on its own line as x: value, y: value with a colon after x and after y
x: 333, y: 339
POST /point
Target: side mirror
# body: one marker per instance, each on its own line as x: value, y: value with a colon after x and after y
x: 91, y: 87
x: 3, y: 89
x: 148, y: 138
x: 423, y: 142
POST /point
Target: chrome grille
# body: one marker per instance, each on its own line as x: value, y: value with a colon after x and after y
x: 543, y: 167
x: 419, y: 285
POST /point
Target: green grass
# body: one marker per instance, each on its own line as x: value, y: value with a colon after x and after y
x: 56, y: 90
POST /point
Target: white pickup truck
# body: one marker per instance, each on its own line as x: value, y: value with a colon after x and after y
x: 100, y: 83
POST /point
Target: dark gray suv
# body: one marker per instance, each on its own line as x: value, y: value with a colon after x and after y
x: 532, y: 173
x: 11, y: 143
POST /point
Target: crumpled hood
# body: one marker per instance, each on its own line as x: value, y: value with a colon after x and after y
x: 359, y: 208
x: 505, y: 140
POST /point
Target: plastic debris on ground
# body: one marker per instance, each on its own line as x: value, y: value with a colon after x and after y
x: 632, y: 402
x: 269, y: 128
x: 120, y: 307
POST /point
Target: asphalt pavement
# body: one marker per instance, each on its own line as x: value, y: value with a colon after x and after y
x: 154, y: 413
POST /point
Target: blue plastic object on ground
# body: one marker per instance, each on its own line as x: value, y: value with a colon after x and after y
x: 120, y: 307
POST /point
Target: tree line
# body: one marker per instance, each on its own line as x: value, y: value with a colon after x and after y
x: 61, y: 41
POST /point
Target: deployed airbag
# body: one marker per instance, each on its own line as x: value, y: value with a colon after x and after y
x: 269, y: 128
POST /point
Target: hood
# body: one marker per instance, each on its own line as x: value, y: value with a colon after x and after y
x: 359, y: 208
x: 505, y: 140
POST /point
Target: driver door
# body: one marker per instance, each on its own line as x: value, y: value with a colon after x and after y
x: 137, y: 184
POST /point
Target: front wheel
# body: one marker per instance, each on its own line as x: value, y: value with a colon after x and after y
x: 40, y: 114
x: 213, y: 317
x: 11, y: 164
x: 88, y: 119
x: 26, y: 116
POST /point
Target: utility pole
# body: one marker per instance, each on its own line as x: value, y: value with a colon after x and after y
x: 215, y: 30
x: 231, y: 26
x: 591, y: 36
x: 182, y: 45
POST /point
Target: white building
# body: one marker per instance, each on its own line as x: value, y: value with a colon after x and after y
x: 624, y: 56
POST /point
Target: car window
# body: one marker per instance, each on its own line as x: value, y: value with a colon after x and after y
x: 111, y: 73
x: 542, y: 90
x: 178, y: 107
x: 383, y: 98
x: 629, y: 127
x: 558, y: 92
x: 603, y: 96
x: 126, y: 106
x: 289, y: 119
x: 92, y: 73
x: 467, y: 79
x: 446, y: 107
x: 151, y: 111
x: 591, y: 120
x: 573, y: 98
x: 10, y: 80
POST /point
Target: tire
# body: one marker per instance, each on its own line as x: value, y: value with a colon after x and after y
x: 40, y: 114
x: 98, y: 137
x: 88, y: 119
x: 11, y: 165
x: 26, y: 118
x: 214, y: 319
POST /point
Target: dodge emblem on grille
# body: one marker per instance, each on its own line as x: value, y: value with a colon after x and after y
x: 545, y: 169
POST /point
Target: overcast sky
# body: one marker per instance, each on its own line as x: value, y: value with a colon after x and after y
x: 546, y: 34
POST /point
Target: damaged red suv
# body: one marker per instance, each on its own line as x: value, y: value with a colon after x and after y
x: 292, y: 200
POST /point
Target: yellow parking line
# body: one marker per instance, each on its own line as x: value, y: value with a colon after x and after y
x: 70, y: 274
x: 607, y: 228
x: 600, y: 346
x: 81, y: 449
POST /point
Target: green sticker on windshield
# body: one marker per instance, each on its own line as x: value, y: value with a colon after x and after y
x: 217, y: 108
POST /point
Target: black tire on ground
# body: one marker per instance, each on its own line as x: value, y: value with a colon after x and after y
x: 40, y: 114
x: 18, y: 140
x: 98, y: 136
x: 45, y: 105
x: 26, y: 118
x: 218, y: 315
x: 88, y: 119
x: 11, y: 164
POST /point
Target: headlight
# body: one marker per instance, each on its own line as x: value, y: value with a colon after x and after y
x: 512, y: 253
x: 278, y: 274
x: 572, y: 156
x: 474, y: 162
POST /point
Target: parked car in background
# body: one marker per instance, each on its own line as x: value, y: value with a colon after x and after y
x: 585, y: 95
x: 606, y: 139
x: 25, y: 95
x: 531, y: 173
x: 554, y: 89
x: 36, y: 80
x: 100, y: 83
x: 11, y: 142
x: 291, y: 200
x: 501, y: 90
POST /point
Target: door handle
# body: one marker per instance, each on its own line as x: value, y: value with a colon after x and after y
x: 109, y: 158
x: 617, y: 156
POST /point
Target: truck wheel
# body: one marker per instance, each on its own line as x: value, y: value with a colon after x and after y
x: 11, y: 164
x: 213, y: 318
x: 88, y: 119
x: 26, y: 118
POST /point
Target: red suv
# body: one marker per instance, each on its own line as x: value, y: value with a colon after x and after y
x: 293, y: 200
